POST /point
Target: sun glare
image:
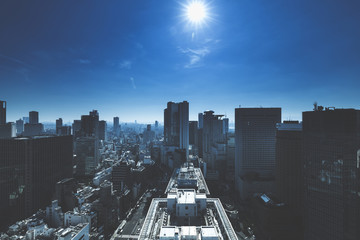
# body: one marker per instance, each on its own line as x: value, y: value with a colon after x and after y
x: 196, y: 12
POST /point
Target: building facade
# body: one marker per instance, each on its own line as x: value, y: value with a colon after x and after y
x: 255, y: 138
x: 331, y: 142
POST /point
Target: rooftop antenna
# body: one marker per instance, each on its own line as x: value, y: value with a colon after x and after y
x: 315, y: 106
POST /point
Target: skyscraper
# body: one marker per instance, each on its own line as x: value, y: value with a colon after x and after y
x: 289, y: 164
x: 33, y: 128
x: 90, y: 124
x: 33, y: 117
x: 59, y: 124
x: 289, y: 171
x: 193, y: 133
x: 87, y: 151
x: 29, y: 170
x: 255, y: 138
x: 19, y: 126
x: 2, y: 112
x: 176, y: 125
x: 331, y: 142
x: 102, y: 130
x: 116, y: 126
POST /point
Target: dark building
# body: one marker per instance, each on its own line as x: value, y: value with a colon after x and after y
x: 64, y: 130
x: 64, y: 193
x: 120, y: 175
x: 102, y: 130
x: 2, y: 112
x: 33, y: 128
x: 19, y: 126
x: 289, y: 164
x: 33, y: 117
x: 255, y: 140
x: 176, y: 125
x: 148, y: 134
x: 29, y: 170
x: 193, y: 133
x: 87, y: 155
x: 273, y: 219
x: 76, y: 128
x: 116, y: 126
x: 289, y: 171
x: 331, y: 143
x: 90, y: 124
x: 59, y: 124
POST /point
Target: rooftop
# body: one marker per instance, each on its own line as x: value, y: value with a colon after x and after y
x: 188, y: 177
x: 212, y: 223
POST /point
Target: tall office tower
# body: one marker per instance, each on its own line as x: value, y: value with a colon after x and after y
x: 176, y: 124
x: 193, y: 133
x: 26, y: 120
x: 2, y: 112
x: 76, y: 128
x: 64, y: 130
x: 90, y: 124
x: 214, y: 141
x: 201, y: 120
x: 102, y: 130
x: 33, y: 128
x: 87, y: 149
x: 331, y: 143
x: 29, y: 170
x: 156, y: 125
x: 289, y: 164
x: 59, y: 124
x: 255, y: 140
x: 19, y: 126
x: 148, y: 134
x: 116, y: 126
x: 7, y: 130
x: 33, y: 117
x: 289, y: 169
x: 200, y: 134
x: 213, y: 130
x: 230, y: 157
x: 120, y: 175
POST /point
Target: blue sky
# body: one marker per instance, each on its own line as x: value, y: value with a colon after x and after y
x: 129, y: 58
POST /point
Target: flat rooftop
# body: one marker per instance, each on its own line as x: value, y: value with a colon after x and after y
x: 189, y: 175
x: 162, y: 224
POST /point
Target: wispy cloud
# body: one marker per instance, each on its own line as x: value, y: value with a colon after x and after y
x: 133, y: 82
x: 126, y: 64
x: 12, y: 59
x: 195, y: 56
x: 84, y: 61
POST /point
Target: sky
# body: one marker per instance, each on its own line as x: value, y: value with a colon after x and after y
x: 128, y: 58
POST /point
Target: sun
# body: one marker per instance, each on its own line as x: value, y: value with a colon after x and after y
x: 196, y: 12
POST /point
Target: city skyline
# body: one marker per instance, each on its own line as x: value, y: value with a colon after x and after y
x: 130, y: 58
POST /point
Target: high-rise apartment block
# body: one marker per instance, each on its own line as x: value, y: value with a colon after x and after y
x: 255, y: 139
